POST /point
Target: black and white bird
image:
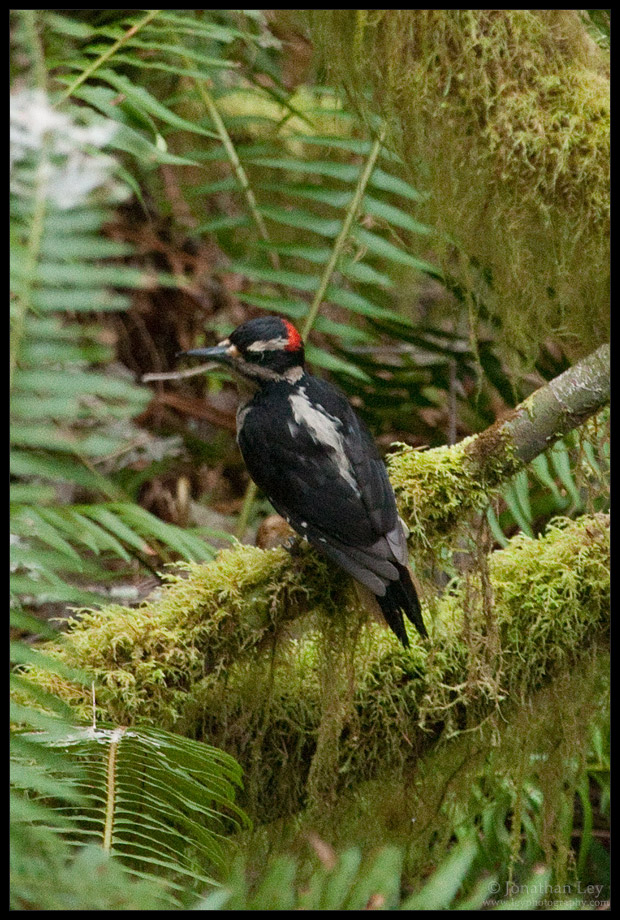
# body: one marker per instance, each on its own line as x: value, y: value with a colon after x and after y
x: 315, y: 460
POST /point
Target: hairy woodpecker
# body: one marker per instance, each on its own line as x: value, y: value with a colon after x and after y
x: 315, y: 460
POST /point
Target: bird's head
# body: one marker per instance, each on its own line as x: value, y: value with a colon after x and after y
x: 260, y: 350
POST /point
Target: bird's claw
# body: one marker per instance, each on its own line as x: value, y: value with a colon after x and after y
x: 293, y: 545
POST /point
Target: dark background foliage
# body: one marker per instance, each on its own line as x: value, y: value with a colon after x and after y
x: 173, y: 174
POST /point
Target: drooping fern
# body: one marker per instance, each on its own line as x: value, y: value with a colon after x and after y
x: 68, y: 413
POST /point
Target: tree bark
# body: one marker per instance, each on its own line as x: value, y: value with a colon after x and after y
x: 441, y: 488
x: 555, y: 409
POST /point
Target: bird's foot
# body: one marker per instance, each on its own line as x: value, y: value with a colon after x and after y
x: 293, y: 545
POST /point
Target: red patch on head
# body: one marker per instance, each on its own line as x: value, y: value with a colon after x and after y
x: 294, y: 338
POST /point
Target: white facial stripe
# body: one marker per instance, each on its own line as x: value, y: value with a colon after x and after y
x: 268, y: 345
x: 325, y: 429
x: 233, y: 351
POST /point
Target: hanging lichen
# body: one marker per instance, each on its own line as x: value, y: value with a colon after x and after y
x: 514, y: 777
x: 503, y: 115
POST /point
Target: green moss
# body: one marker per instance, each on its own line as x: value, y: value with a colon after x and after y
x: 438, y: 490
x: 376, y: 708
x: 147, y: 660
x: 546, y: 595
x: 315, y: 706
x: 504, y: 116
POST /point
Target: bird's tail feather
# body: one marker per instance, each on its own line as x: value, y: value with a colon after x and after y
x: 401, y: 597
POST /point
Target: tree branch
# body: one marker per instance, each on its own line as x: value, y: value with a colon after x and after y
x: 151, y: 659
x: 438, y: 489
x: 554, y: 410
x: 191, y: 659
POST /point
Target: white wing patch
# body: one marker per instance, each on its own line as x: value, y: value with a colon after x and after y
x: 326, y: 430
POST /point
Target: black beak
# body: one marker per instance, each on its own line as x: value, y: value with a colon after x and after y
x: 217, y: 353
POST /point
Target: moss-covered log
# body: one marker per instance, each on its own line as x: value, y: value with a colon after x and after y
x: 271, y: 656
x: 149, y: 658
x: 366, y: 700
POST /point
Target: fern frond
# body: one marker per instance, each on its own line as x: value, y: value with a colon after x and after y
x: 66, y: 416
x: 109, y: 52
x: 154, y: 800
x: 189, y: 45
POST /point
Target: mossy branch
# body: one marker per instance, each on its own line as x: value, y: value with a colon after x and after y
x: 149, y: 659
x: 179, y: 660
x: 440, y: 488
x: 564, y: 404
